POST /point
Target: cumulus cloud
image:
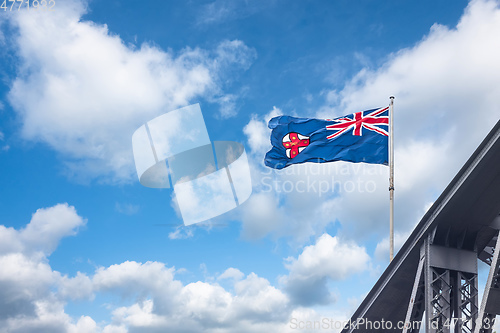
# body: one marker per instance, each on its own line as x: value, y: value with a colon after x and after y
x: 79, y: 287
x: 42, y: 235
x: 158, y: 301
x: 162, y: 303
x: 48, y: 226
x: 445, y: 87
x: 328, y: 259
x: 27, y: 282
x: 89, y: 91
x: 148, y: 296
x: 19, y: 289
x: 231, y: 273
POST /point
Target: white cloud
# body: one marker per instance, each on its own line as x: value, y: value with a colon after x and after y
x: 258, y: 133
x: 256, y: 295
x: 76, y: 288
x: 50, y: 317
x: 132, y: 278
x: 84, y: 325
x: 9, y: 240
x: 382, y: 250
x: 161, y: 303
x: 49, y: 225
x: 89, y: 91
x: 19, y: 290
x: 32, y: 295
x: 139, y: 315
x: 231, y: 273
x: 42, y: 235
x: 261, y: 215
x: 328, y: 259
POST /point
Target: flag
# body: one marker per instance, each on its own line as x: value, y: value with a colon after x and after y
x: 358, y: 137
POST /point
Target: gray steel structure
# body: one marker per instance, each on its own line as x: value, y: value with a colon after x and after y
x: 432, y: 280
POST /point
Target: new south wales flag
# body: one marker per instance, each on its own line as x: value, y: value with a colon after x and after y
x: 358, y: 137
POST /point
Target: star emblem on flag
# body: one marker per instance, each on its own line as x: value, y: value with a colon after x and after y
x: 294, y: 143
x: 369, y: 120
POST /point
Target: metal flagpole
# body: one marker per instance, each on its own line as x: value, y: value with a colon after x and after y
x: 391, y: 178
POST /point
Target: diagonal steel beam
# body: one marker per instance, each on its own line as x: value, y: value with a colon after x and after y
x: 490, y: 304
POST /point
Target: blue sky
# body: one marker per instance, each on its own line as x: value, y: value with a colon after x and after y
x: 85, y: 248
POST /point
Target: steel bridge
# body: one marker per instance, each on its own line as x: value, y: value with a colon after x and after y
x: 432, y: 283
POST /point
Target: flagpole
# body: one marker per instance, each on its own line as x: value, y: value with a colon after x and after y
x: 391, y: 178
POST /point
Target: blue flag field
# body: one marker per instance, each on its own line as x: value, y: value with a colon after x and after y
x: 359, y: 137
